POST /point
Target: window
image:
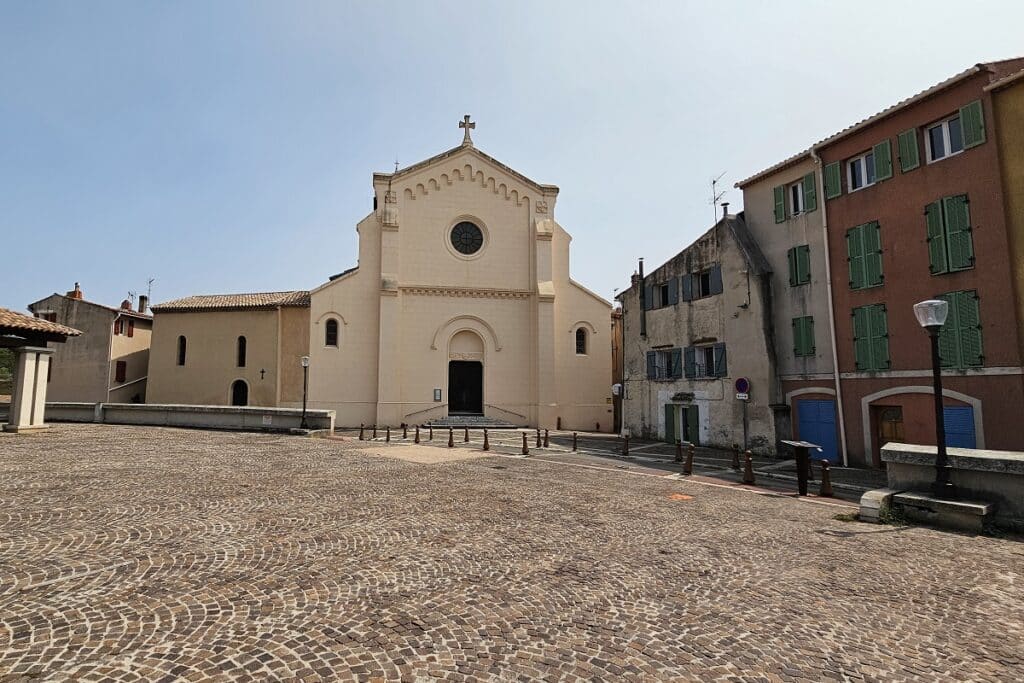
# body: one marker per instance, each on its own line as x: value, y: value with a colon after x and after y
x: 945, y: 139
x: 331, y: 333
x: 664, y: 364
x: 948, y: 229
x: 799, y: 265
x: 803, y: 336
x: 907, y: 144
x: 131, y: 328
x: 705, y: 361
x: 799, y: 197
x: 581, y: 341
x: 960, y: 337
x: 703, y: 283
x: 119, y: 326
x: 871, y: 338
x: 120, y: 370
x: 864, y: 255
x: 241, y: 352
x: 181, y: 350
x: 860, y: 172
x: 467, y: 238
x: 661, y: 295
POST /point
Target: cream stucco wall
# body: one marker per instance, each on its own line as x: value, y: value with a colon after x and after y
x: 134, y: 351
x: 211, y: 356
x: 412, y: 292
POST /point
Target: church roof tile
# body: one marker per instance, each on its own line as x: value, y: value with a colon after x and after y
x: 232, y: 302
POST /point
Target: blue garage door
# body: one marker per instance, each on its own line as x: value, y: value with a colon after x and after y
x: 959, y: 426
x: 817, y: 424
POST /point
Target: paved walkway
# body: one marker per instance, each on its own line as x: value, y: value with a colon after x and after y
x: 161, y: 554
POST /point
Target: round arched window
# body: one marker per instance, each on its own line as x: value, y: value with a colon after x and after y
x: 467, y: 238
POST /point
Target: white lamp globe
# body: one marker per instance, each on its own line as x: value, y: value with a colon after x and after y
x: 931, y: 313
x: 305, y: 360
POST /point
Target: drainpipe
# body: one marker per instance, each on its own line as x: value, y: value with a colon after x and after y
x: 831, y: 305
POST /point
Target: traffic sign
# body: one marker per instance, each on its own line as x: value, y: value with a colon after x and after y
x: 742, y: 385
x: 742, y: 396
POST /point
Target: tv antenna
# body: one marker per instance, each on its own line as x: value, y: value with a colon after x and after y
x: 149, y: 288
x: 716, y: 196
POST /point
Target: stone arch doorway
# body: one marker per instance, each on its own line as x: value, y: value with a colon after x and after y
x: 239, y: 393
x: 466, y: 374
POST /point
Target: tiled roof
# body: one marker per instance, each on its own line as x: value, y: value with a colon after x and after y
x: 12, y: 320
x: 231, y: 302
x: 999, y: 69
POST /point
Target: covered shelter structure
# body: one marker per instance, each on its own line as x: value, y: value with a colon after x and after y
x: 28, y: 338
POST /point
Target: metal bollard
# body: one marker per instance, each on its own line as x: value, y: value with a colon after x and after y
x: 416, y: 437
x: 375, y: 431
x: 748, y: 468
x: 526, y: 450
x: 451, y: 438
x: 826, y: 481
x: 679, y: 450
x: 735, y: 456
x: 405, y: 431
x: 430, y: 432
x: 387, y: 434
x: 688, y: 467
x: 597, y: 426
x: 625, y: 444
x: 487, y: 443
x: 465, y: 436
x: 558, y: 423
x: 546, y: 438
x: 361, y: 435
x: 538, y: 437
x: 574, y: 441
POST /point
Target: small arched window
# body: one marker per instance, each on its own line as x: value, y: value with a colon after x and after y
x: 331, y: 333
x: 181, y: 350
x: 581, y: 341
x: 241, y: 352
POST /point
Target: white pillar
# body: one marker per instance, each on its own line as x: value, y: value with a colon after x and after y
x: 28, y: 402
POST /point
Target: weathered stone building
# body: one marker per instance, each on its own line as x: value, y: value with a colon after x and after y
x: 680, y: 323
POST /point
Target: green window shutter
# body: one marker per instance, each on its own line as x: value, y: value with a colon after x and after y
x: 968, y: 319
x: 949, y: 338
x: 861, y: 342
x: 677, y: 363
x: 883, y: 160
x: 833, y: 185
x: 780, y: 203
x: 690, y: 361
x: 791, y: 256
x: 803, y: 336
x: 855, y: 256
x: 871, y: 239
x: 909, y: 155
x: 803, y: 264
x: 972, y: 122
x: 937, y: 262
x: 797, y: 337
x: 809, y: 335
x: 879, y: 337
x: 958, y: 232
x: 810, y: 193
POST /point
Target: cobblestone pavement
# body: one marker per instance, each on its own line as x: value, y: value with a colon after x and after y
x: 148, y: 554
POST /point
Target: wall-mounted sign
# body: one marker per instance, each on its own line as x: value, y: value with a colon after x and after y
x: 741, y: 396
x: 437, y: 395
x: 742, y: 385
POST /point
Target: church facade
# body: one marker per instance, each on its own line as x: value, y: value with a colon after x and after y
x: 461, y: 303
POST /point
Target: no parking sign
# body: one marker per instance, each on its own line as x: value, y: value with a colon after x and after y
x: 742, y: 388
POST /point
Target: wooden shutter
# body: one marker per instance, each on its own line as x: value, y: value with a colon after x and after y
x: 670, y: 423
x: 949, y: 343
x: 652, y: 364
x: 779, y: 193
x: 833, y: 182
x: 937, y: 262
x: 687, y: 285
x: 855, y: 256
x: 871, y: 239
x: 677, y: 363
x: 131, y: 328
x: 715, y: 276
x: 883, y: 160
x: 117, y: 327
x: 810, y: 193
x: 673, y: 292
x: 809, y: 348
x: 797, y: 336
x: 960, y: 246
x: 690, y: 361
x: 909, y: 155
x: 972, y: 122
x: 721, y: 367
x: 803, y: 264
x: 861, y: 341
x: 648, y: 297
x: 791, y: 255
x: 879, y: 326
x: 968, y: 318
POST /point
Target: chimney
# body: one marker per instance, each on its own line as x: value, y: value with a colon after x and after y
x: 725, y: 209
x: 75, y: 293
x: 143, y: 303
x: 126, y: 305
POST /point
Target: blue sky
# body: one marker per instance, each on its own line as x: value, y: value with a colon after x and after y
x: 229, y: 146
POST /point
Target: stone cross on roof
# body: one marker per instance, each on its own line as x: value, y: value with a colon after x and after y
x: 467, y: 125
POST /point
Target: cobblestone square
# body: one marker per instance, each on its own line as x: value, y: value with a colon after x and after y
x: 160, y: 554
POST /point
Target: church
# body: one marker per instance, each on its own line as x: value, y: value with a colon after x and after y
x: 461, y: 304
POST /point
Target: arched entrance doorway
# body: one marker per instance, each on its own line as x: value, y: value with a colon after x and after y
x: 239, y: 393
x: 466, y: 374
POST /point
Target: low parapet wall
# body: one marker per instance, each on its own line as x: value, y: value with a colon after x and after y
x: 248, y: 418
x: 990, y: 476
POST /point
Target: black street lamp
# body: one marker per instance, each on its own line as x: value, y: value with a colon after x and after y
x: 931, y: 315
x: 305, y: 387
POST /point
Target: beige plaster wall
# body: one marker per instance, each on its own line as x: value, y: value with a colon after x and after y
x: 293, y: 331
x: 134, y: 351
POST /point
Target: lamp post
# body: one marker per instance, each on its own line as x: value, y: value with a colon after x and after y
x: 931, y: 314
x: 305, y: 387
